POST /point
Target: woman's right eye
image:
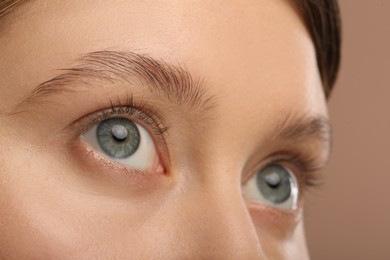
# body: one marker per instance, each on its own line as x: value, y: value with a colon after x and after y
x: 123, y: 141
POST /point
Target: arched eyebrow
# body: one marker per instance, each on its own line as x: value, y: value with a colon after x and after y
x: 173, y: 82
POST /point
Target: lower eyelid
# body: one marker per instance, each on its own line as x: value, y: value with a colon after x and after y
x: 279, y: 223
x: 275, y: 215
x: 102, y: 170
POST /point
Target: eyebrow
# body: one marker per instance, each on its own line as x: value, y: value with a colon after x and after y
x: 298, y: 128
x: 174, y: 82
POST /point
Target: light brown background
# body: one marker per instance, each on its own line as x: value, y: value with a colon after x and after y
x: 349, y: 217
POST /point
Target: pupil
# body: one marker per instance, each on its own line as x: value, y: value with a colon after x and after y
x: 273, y: 180
x: 119, y: 133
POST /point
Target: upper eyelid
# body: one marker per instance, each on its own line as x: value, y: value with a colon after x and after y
x: 290, y: 137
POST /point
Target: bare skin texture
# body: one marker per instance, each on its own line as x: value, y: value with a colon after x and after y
x: 253, y: 94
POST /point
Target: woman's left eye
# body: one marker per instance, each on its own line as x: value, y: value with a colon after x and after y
x: 123, y: 141
x: 273, y: 185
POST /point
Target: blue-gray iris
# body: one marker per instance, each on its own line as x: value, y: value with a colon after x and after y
x: 274, y: 183
x: 118, y: 137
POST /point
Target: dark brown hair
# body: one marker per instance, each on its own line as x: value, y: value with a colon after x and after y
x: 322, y: 19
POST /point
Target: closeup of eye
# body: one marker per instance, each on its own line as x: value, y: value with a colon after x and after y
x: 273, y: 185
x: 123, y: 141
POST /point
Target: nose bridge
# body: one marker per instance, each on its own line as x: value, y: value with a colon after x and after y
x: 224, y: 225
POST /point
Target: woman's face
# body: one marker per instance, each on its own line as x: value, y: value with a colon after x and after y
x: 157, y: 130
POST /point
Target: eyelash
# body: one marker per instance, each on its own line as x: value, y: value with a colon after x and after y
x: 306, y: 168
x: 131, y: 108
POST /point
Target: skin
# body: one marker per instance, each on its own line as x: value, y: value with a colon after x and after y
x: 258, y: 64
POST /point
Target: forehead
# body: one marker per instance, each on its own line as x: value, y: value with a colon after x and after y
x: 255, y: 54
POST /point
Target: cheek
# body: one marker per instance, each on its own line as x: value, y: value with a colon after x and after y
x: 47, y: 211
x: 32, y: 221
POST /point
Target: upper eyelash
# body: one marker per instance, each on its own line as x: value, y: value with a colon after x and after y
x: 130, y: 108
x: 308, y: 167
